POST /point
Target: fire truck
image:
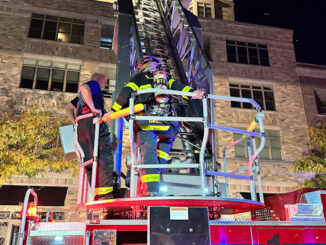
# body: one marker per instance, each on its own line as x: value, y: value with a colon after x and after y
x: 194, y: 192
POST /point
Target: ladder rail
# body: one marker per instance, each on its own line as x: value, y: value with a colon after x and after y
x: 24, y: 214
x: 252, y: 180
x: 148, y: 23
x: 257, y: 170
x: 199, y: 71
x: 95, y: 157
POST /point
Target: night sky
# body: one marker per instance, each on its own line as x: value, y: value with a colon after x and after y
x: 306, y: 17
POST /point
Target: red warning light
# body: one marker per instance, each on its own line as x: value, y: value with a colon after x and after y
x: 31, y: 212
x: 96, y: 219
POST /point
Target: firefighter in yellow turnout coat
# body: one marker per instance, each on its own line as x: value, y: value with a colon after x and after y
x: 154, y: 138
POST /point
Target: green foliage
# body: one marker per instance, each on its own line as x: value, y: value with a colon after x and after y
x: 29, y: 144
x: 315, y: 159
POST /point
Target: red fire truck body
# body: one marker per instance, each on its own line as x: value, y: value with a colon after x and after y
x: 294, y: 228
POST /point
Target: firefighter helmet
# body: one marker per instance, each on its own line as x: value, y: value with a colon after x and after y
x: 146, y: 64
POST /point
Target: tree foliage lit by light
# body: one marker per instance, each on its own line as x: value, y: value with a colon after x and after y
x: 315, y: 159
x: 29, y: 144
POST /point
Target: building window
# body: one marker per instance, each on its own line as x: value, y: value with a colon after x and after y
x: 320, y: 96
x: 57, y: 28
x: 107, y: 37
x: 262, y: 94
x: 108, y: 91
x: 207, y: 47
x: 4, y: 214
x: 247, y: 53
x: 49, y: 75
x: 43, y: 216
x: 58, y: 215
x: 204, y: 10
x: 271, y: 151
x: 3, y: 232
x: 15, y: 215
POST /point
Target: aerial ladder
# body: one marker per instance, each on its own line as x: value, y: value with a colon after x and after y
x: 168, y: 31
x: 191, y: 203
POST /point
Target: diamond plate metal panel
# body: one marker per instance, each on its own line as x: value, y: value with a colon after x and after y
x: 57, y: 240
x: 222, y: 189
x: 59, y: 226
x: 107, y: 237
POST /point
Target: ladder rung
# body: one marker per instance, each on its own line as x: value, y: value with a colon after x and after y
x: 180, y: 165
x: 237, y: 176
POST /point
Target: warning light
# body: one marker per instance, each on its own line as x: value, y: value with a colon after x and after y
x: 96, y: 219
x: 31, y: 212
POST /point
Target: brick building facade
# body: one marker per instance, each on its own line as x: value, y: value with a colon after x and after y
x: 313, y: 83
x: 248, y: 60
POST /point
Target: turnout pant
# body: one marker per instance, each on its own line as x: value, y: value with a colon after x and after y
x: 105, y: 174
x: 154, y: 147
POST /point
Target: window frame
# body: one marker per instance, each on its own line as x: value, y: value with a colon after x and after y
x: 207, y: 47
x: 263, y: 89
x: 58, y: 20
x: 320, y: 101
x: 269, y: 139
x: 205, y: 7
x: 4, y: 215
x: 106, y: 40
x: 51, y: 68
x: 247, y: 46
x: 108, y: 91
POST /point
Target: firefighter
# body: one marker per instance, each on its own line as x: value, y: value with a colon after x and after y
x: 154, y: 138
x: 89, y: 104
